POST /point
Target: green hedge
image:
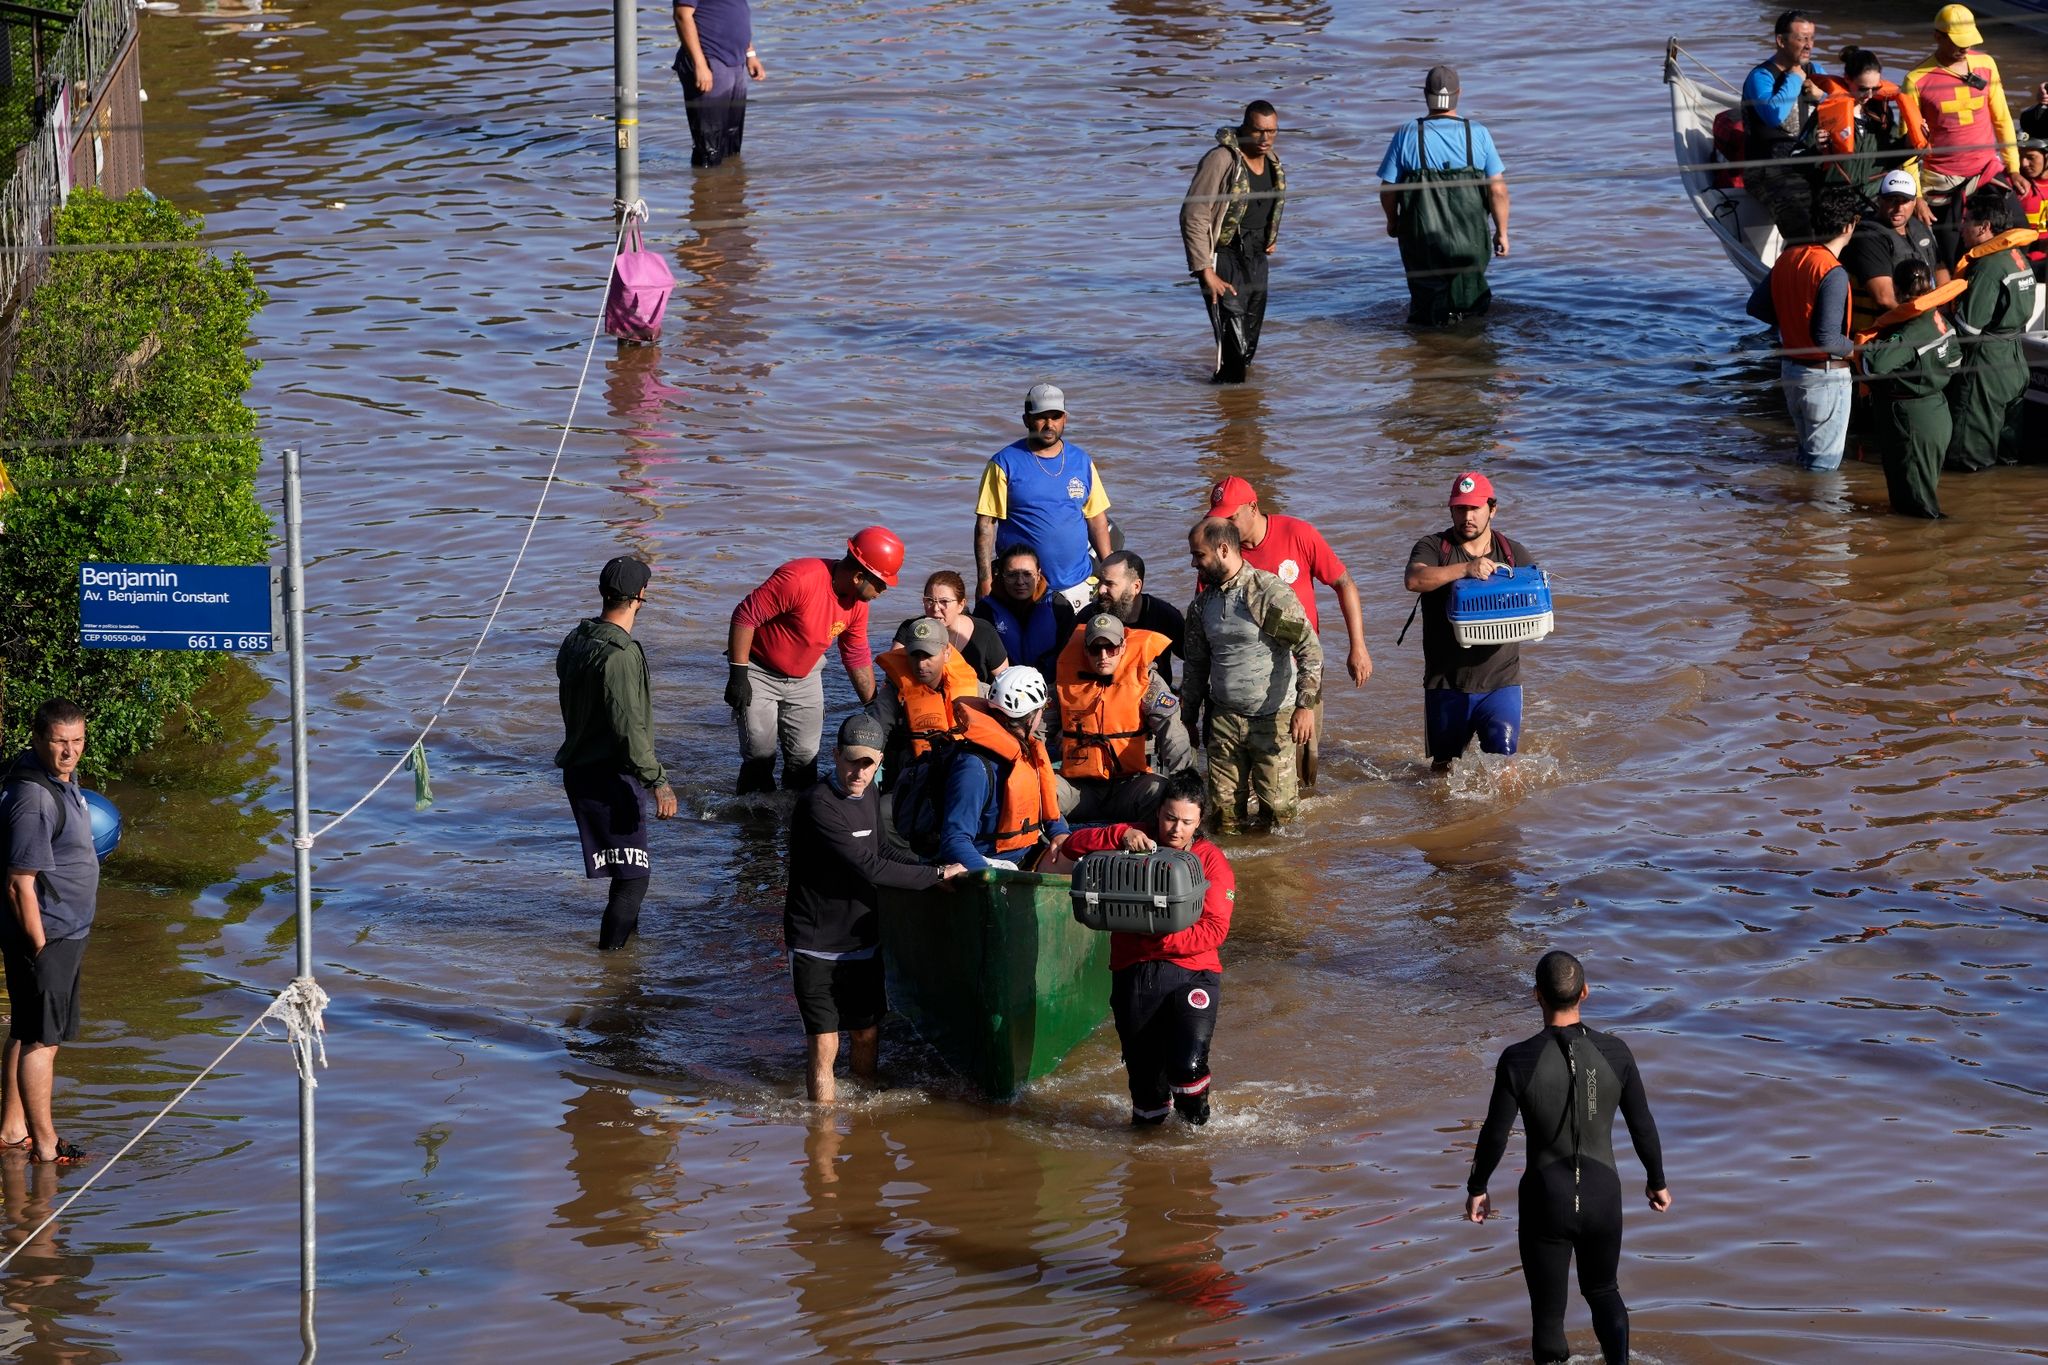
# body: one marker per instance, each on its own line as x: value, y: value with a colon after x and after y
x: 123, y: 350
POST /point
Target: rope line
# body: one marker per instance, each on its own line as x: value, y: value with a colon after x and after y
x: 532, y: 524
x: 299, y: 1004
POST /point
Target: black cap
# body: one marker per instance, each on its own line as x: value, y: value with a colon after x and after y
x: 862, y: 731
x: 624, y: 578
x: 1441, y: 79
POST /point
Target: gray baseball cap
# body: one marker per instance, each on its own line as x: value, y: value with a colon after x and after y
x: 925, y: 636
x: 862, y: 731
x: 1044, y: 398
x: 1103, y: 626
x: 1441, y: 79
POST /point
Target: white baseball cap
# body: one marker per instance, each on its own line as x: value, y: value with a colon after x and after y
x: 1898, y: 182
x: 1044, y: 398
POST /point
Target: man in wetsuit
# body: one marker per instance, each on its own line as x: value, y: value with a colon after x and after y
x: 1164, y: 987
x: 1566, y: 1082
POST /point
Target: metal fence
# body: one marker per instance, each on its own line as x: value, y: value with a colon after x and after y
x: 47, y: 51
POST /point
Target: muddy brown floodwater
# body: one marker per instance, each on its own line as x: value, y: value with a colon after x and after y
x: 1782, y: 788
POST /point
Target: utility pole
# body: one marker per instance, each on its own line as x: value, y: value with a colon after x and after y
x: 302, y: 864
x: 626, y: 105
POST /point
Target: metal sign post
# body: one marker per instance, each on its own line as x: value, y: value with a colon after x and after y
x: 302, y: 866
x: 626, y: 104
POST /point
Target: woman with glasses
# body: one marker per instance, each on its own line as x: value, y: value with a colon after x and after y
x: 945, y: 601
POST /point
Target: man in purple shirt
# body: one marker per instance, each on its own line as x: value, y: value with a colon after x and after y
x: 715, y: 65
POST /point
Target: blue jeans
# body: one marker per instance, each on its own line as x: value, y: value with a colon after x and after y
x: 1451, y: 719
x: 1819, y: 402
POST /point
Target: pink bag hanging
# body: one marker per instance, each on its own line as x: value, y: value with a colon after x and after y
x: 641, y: 284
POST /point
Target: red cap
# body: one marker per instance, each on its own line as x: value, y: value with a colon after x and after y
x: 1471, y: 490
x: 1229, y: 495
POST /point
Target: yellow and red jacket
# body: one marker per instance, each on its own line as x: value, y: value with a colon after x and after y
x: 1102, y: 726
x: 1030, y: 799
x: 928, y: 711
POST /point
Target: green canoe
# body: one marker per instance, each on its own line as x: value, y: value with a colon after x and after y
x: 994, y: 973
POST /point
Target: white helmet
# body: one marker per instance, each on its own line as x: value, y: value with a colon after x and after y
x: 1019, y: 690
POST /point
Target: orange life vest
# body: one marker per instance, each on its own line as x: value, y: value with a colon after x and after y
x: 1795, y: 282
x: 1914, y: 307
x: 1102, y: 726
x: 2010, y: 240
x: 1835, y: 117
x: 1030, y: 799
x: 928, y: 711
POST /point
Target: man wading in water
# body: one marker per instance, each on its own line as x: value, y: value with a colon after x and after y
x: 1229, y: 225
x: 1450, y: 180
x: 1566, y: 1082
x: 607, y: 754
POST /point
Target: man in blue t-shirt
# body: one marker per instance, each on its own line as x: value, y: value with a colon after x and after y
x: 1442, y: 179
x: 715, y: 64
x: 1043, y: 493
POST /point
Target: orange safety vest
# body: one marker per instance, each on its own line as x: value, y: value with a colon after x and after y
x: 1795, y: 281
x: 1102, y: 731
x: 1934, y: 298
x: 1030, y: 799
x: 928, y: 711
x: 1835, y: 117
x: 2010, y: 240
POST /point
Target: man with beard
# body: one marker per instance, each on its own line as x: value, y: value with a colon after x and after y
x: 1042, y: 492
x: 1120, y: 591
x: 1229, y: 225
x: 1467, y: 690
x: 1259, y: 669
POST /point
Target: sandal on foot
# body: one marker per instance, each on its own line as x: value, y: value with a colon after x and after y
x: 68, y: 1154
x: 23, y: 1144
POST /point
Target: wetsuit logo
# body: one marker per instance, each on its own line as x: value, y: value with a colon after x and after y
x: 1289, y: 571
x: 1198, y: 999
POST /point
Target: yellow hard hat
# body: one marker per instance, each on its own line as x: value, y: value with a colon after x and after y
x: 1959, y: 24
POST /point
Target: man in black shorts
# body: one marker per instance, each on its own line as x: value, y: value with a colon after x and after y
x: 837, y: 858
x: 53, y: 879
x: 1566, y: 1082
x: 1467, y: 691
x: 607, y: 754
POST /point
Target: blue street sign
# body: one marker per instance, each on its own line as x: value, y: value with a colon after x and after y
x: 177, y: 606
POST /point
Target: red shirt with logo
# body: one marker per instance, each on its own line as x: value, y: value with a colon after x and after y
x: 1297, y: 552
x: 796, y: 615
x: 1193, y: 947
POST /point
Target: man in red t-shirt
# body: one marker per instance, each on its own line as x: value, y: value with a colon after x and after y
x: 1298, y: 554
x: 775, y: 652
x: 1164, y: 988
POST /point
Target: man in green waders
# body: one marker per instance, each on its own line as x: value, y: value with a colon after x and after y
x: 1912, y: 353
x: 1989, y: 397
x: 1441, y: 180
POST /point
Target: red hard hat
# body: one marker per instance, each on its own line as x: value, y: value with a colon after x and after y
x: 878, y: 551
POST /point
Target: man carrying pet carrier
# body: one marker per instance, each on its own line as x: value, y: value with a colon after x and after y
x: 1476, y: 689
x: 1164, y: 988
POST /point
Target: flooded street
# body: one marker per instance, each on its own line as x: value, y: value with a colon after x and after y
x: 1781, y: 786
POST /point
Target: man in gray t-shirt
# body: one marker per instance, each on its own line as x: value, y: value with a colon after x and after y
x: 52, y: 889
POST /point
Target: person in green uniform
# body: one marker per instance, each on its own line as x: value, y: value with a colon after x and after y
x: 1913, y: 356
x: 1987, y: 399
